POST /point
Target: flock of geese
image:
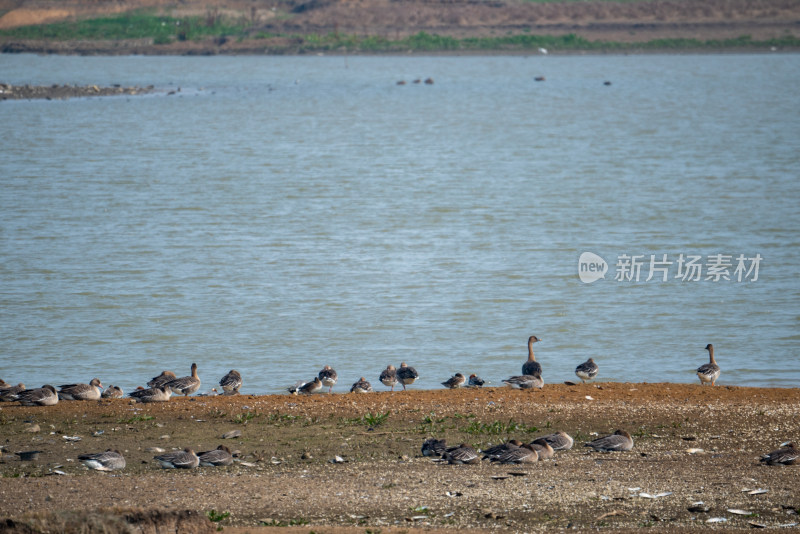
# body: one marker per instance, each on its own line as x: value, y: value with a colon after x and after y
x: 160, y: 388
x: 516, y: 452
x: 163, y: 386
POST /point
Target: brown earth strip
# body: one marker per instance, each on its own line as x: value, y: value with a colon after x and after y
x: 692, y: 444
x: 61, y: 92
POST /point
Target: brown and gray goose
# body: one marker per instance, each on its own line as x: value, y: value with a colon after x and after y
x: 185, y: 385
x: 90, y: 391
x: 709, y: 372
x: 618, y: 441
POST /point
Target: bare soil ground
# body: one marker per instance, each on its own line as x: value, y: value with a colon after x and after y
x: 692, y: 444
x: 629, y: 22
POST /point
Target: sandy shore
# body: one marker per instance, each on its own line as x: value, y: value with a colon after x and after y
x: 692, y: 444
x: 62, y: 92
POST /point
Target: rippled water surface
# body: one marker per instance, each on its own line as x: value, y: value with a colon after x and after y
x: 277, y: 214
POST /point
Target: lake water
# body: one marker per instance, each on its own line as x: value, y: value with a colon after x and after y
x: 278, y: 214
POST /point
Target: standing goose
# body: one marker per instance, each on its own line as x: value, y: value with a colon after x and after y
x: 161, y: 394
x: 187, y: 385
x: 560, y: 441
x: 618, y: 441
x: 11, y: 393
x: 531, y: 367
x: 455, y: 381
x: 362, y: 386
x: 328, y: 377
x: 43, y: 396
x: 709, y: 372
x: 90, y: 391
x: 219, y: 456
x: 160, y: 380
x: 525, y: 381
x: 587, y: 370
x: 103, y: 461
x: 185, y: 459
x: 406, y: 375
x: 231, y: 382
x: 112, y: 392
x: 389, y: 376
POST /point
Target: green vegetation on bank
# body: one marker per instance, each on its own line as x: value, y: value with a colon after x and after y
x: 134, y: 25
x: 163, y: 30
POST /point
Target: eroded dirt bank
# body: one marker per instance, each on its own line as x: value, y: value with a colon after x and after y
x: 692, y: 444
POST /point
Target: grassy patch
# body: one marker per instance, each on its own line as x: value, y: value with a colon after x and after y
x: 164, y: 29
x: 497, y: 428
x: 244, y: 417
x: 290, y: 523
x: 216, y: 517
x: 136, y: 419
x: 135, y: 25
x: 375, y: 419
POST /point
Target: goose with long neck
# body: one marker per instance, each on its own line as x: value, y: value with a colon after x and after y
x: 709, y: 372
x: 531, y: 367
x: 187, y: 385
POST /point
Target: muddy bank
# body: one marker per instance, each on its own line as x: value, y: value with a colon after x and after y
x: 692, y: 444
x: 62, y: 92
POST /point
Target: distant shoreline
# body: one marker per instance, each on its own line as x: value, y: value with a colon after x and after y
x: 63, y: 92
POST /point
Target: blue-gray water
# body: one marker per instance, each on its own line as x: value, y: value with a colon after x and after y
x: 282, y: 213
